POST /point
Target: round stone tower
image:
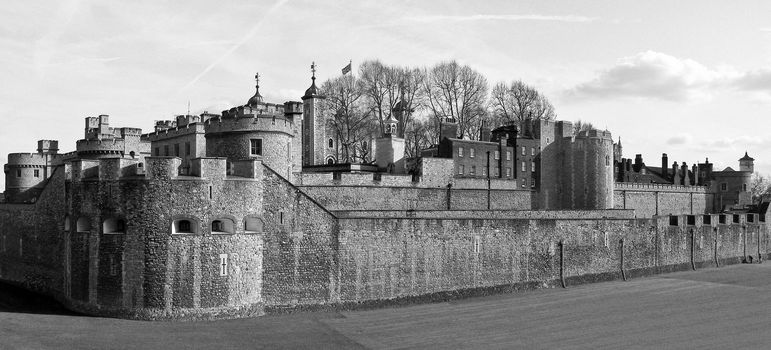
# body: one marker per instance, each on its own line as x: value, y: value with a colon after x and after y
x: 256, y: 130
x: 25, y: 173
x: 588, y: 171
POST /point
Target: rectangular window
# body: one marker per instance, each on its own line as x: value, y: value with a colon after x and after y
x: 255, y: 146
x: 744, y: 186
x: 508, y: 155
x: 187, y: 148
x: 223, y: 264
x: 532, y: 183
x: 532, y: 166
x: 460, y: 151
x: 497, y: 172
x: 523, y: 150
x: 37, y: 174
x: 166, y: 150
x: 508, y: 171
x: 460, y: 169
x: 484, y: 171
x: 473, y: 170
x: 176, y: 149
x: 471, y: 153
x: 157, y: 151
x: 497, y: 155
x: 523, y: 167
x: 724, y: 186
x: 18, y: 172
x: 532, y: 151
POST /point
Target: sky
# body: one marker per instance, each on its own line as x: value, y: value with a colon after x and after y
x: 689, y: 78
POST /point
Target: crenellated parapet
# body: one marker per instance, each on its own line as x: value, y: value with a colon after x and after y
x: 160, y: 168
x: 652, y: 187
x: 170, y: 132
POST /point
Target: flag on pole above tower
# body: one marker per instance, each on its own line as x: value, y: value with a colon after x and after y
x: 347, y: 69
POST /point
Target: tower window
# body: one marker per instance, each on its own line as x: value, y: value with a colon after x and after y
x: 744, y: 186
x: 473, y: 170
x: 497, y: 155
x: 460, y: 151
x: 331, y: 143
x: 37, y: 174
x: 523, y: 167
x: 471, y: 152
x: 508, y: 171
x: 724, y: 186
x: 166, y: 150
x: 532, y: 166
x: 532, y: 151
x: 607, y: 160
x: 157, y: 151
x: 523, y: 150
x: 187, y: 148
x: 508, y: 155
x: 460, y: 169
x: 18, y: 172
x: 176, y: 149
x: 255, y: 147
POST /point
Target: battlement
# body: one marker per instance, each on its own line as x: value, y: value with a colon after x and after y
x: 594, y: 133
x: 166, y: 133
x: 738, y: 220
x: 651, y: 187
x: 31, y: 159
x: 390, y: 180
x: 156, y: 168
x: 250, y: 122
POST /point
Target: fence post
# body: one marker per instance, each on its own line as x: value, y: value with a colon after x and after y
x: 717, y: 261
x: 693, y: 246
x: 562, y: 263
x: 623, y: 274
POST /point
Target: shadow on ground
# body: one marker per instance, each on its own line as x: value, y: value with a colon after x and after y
x: 15, y: 299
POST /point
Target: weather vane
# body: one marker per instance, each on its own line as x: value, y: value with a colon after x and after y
x: 313, y: 68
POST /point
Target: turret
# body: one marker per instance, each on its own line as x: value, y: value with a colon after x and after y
x: 747, y: 163
x: 314, y: 127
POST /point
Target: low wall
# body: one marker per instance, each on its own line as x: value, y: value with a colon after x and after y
x: 395, y: 259
x: 651, y: 199
x: 399, y: 198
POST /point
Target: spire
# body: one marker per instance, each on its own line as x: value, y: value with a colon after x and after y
x: 312, y: 91
x: 257, y: 98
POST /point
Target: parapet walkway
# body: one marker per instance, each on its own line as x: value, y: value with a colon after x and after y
x: 718, y: 308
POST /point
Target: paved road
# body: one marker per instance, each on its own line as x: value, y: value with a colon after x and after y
x: 729, y: 307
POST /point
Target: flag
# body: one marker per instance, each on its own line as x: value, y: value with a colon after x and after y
x: 347, y: 69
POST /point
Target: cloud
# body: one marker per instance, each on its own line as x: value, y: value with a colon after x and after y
x: 532, y: 17
x: 656, y: 75
x: 758, y: 80
x: 680, y: 139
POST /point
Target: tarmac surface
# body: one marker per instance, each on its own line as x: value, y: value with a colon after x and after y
x: 716, y: 308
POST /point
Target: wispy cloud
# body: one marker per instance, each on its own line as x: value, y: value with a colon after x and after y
x: 531, y: 17
x: 237, y: 45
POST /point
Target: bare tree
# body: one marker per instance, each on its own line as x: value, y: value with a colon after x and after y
x: 580, y: 125
x: 458, y: 92
x: 419, y: 135
x: 759, y: 187
x: 519, y: 101
x: 385, y: 86
x: 349, y: 118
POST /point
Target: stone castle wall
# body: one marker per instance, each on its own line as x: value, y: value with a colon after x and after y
x: 653, y: 199
x: 302, y: 255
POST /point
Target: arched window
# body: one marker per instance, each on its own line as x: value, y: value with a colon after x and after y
x: 184, y: 226
x: 252, y: 225
x: 222, y: 226
x: 331, y: 143
x: 83, y: 225
x: 67, y: 223
x: 114, y: 226
x: 330, y: 161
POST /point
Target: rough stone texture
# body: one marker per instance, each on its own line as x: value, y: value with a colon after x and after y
x: 651, y: 199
